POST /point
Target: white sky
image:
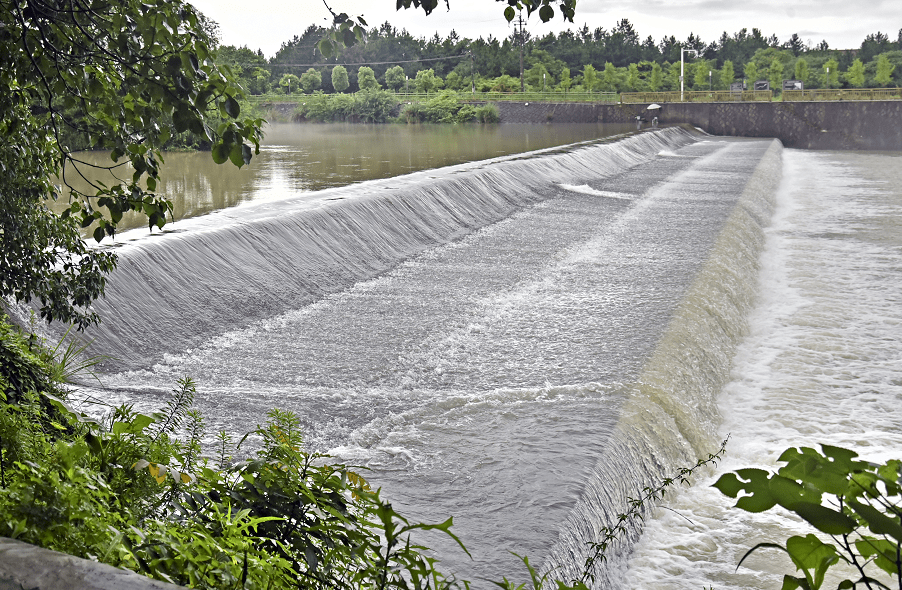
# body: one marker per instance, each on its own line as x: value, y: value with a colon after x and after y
x: 266, y: 24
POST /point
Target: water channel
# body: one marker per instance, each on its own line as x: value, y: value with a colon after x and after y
x: 523, y: 343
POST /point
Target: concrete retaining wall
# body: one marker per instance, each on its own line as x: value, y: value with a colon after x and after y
x: 565, y: 112
x: 861, y: 125
x: 26, y: 567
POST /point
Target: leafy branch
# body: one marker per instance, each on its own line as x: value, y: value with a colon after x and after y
x: 856, y: 503
x: 610, y: 534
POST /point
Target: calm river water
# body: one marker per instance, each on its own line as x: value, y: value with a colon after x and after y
x: 297, y: 159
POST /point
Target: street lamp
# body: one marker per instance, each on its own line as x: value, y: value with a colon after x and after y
x: 710, y: 80
x: 543, y: 82
x: 682, y: 51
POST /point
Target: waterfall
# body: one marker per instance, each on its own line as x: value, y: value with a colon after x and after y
x: 670, y: 416
x: 174, y: 290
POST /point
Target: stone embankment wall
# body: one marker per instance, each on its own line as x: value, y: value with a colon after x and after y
x: 548, y: 112
x: 862, y: 125
x: 858, y: 125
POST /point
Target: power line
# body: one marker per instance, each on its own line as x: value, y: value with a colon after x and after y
x: 365, y: 63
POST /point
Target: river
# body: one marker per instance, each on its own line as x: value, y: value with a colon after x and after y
x: 525, y: 342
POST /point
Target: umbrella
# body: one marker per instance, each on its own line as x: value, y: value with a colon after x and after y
x: 653, y: 106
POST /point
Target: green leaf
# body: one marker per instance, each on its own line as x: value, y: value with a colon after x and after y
x: 729, y: 485
x: 509, y: 13
x: 236, y: 155
x: 883, y: 551
x: 220, y: 153
x: 810, y: 553
x: 825, y: 519
x: 546, y: 13
x: 99, y: 234
x: 232, y: 108
x: 325, y: 47
x: 791, y: 583
x: 877, y: 522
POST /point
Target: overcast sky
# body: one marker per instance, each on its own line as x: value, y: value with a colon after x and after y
x: 266, y: 24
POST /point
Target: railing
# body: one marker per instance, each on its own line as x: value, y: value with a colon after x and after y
x: 695, y: 96
x: 827, y: 94
x: 464, y: 96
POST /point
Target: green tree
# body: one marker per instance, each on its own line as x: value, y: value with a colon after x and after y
x: 566, y: 82
x: 505, y: 83
x: 340, y: 79
x: 884, y: 75
x: 426, y: 81
x: 311, y: 80
x: 703, y: 76
x: 727, y: 75
x: 538, y: 77
x: 831, y: 73
x: 802, y: 72
x: 751, y: 74
x: 395, y: 78
x: 855, y: 74
x: 124, y: 77
x: 656, y: 77
x: 590, y: 78
x: 289, y: 83
x: 259, y: 84
x: 633, y: 81
x: 775, y: 75
x: 366, y: 79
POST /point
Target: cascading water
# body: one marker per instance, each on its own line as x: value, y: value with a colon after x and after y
x: 520, y: 343
x: 820, y: 365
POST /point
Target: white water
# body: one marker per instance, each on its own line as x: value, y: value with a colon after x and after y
x: 822, y: 364
x: 492, y: 343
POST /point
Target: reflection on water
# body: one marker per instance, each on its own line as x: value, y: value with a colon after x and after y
x: 296, y: 158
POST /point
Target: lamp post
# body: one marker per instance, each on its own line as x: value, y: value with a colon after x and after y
x: 710, y: 80
x: 543, y: 82
x: 682, y: 51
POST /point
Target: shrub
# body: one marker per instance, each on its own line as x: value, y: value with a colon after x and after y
x: 856, y: 503
x: 487, y: 113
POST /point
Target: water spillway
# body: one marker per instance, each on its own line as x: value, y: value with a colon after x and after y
x: 521, y: 343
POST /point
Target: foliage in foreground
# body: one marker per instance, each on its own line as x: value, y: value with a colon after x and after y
x: 124, y: 76
x: 135, y: 491
x: 853, y: 502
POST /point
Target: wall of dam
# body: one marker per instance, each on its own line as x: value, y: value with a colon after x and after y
x: 859, y: 125
x: 838, y: 125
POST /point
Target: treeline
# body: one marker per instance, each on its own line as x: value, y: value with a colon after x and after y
x: 615, y: 60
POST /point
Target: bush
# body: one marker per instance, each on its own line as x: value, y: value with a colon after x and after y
x: 856, y: 503
x: 369, y: 106
x: 487, y: 113
x: 445, y: 107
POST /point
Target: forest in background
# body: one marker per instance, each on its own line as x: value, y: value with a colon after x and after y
x: 615, y: 60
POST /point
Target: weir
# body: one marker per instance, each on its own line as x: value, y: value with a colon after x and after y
x: 252, y: 262
x: 521, y: 343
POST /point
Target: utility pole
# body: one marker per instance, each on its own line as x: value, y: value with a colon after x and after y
x: 682, y: 52
x: 521, y: 37
x: 472, y: 73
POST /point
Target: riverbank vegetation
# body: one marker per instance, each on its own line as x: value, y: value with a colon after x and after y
x: 139, y: 492
x: 584, y: 60
x: 380, y: 106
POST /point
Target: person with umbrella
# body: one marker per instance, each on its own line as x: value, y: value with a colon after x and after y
x: 654, y: 109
